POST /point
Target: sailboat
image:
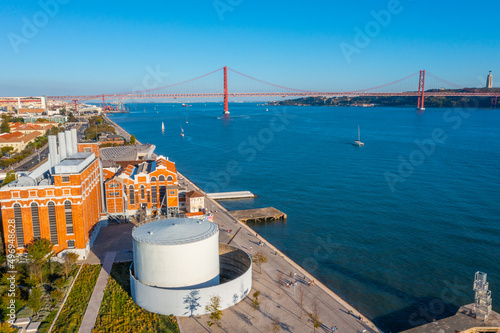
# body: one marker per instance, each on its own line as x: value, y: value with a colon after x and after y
x: 187, y: 120
x: 182, y: 131
x: 358, y: 141
x: 144, y: 110
x: 162, y: 127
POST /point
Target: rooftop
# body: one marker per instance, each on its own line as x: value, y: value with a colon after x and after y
x: 174, y: 231
x: 74, y: 163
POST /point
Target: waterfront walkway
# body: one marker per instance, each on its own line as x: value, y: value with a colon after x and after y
x: 278, y: 302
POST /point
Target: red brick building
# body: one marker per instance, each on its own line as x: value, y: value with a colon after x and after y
x: 151, y: 185
x: 60, y: 201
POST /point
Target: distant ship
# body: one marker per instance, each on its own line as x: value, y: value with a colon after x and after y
x: 358, y: 141
x: 185, y: 105
x: 162, y: 127
x: 182, y: 131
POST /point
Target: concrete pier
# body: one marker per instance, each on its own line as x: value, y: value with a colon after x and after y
x: 258, y: 215
x: 231, y: 195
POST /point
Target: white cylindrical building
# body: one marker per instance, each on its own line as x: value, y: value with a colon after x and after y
x: 177, y: 253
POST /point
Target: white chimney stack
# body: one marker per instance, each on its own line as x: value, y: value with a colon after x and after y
x: 75, y: 140
x: 52, y: 150
x: 69, y: 143
x: 62, y: 146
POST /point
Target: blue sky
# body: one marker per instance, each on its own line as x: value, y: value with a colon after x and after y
x: 93, y: 47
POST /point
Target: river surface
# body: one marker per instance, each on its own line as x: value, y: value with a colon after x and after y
x: 397, y: 227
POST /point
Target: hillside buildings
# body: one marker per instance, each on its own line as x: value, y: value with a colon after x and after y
x: 18, y: 140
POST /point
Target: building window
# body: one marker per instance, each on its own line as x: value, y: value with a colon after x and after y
x: 161, y: 178
x: 153, y: 179
x: 87, y: 150
x: 69, y: 216
x: 163, y: 191
x: 114, y: 194
x: 35, y: 218
x: 131, y: 194
x: 52, y: 222
x: 65, y: 179
x: 142, y: 192
x: 170, y: 178
x: 18, y: 217
x: 153, y: 194
x: 172, y: 193
x: 71, y: 244
x: 113, y: 185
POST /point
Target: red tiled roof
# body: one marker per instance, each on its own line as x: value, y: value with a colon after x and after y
x: 193, y: 194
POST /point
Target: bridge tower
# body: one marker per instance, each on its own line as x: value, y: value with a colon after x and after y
x: 494, y: 101
x: 226, y: 107
x: 421, y: 90
x: 103, y: 105
x: 76, y: 110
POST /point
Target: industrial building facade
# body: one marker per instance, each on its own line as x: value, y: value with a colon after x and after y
x: 150, y: 185
x: 60, y: 201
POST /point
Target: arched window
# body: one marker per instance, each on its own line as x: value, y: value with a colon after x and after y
x: 170, y: 178
x: 52, y: 222
x: 153, y: 179
x: 131, y: 194
x: 161, y: 178
x: 69, y: 216
x: 142, y: 192
x: 18, y: 217
x: 153, y: 194
x: 35, y: 218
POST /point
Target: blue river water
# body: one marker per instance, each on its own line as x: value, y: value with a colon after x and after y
x: 397, y: 227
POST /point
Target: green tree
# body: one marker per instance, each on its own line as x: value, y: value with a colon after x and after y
x: 69, y: 262
x: 5, y: 128
x: 260, y: 259
x: 39, y: 252
x: 35, y: 300
x: 275, y: 326
x: 71, y: 117
x: 255, y: 301
x: 10, y: 177
x: 6, y: 328
x: 314, y: 315
x: 132, y: 139
x: 214, y: 311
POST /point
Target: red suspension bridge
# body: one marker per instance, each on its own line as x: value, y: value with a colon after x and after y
x: 198, y: 87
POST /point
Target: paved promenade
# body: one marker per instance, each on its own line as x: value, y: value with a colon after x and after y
x: 90, y: 315
x: 277, y: 303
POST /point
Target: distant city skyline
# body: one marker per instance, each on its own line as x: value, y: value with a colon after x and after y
x: 59, y: 47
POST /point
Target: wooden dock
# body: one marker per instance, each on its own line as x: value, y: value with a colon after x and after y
x: 258, y: 215
x: 231, y: 195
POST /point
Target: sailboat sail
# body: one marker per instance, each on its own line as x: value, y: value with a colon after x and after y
x: 162, y: 127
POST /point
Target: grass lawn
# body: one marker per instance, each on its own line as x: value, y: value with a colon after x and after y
x: 119, y: 313
x: 71, y: 315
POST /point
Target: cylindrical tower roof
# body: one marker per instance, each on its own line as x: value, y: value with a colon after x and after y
x: 177, y: 253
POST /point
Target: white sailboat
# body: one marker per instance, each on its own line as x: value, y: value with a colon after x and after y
x: 162, y: 127
x: 182, y: 131
x: 358, y: 141
x: 186, y: 120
